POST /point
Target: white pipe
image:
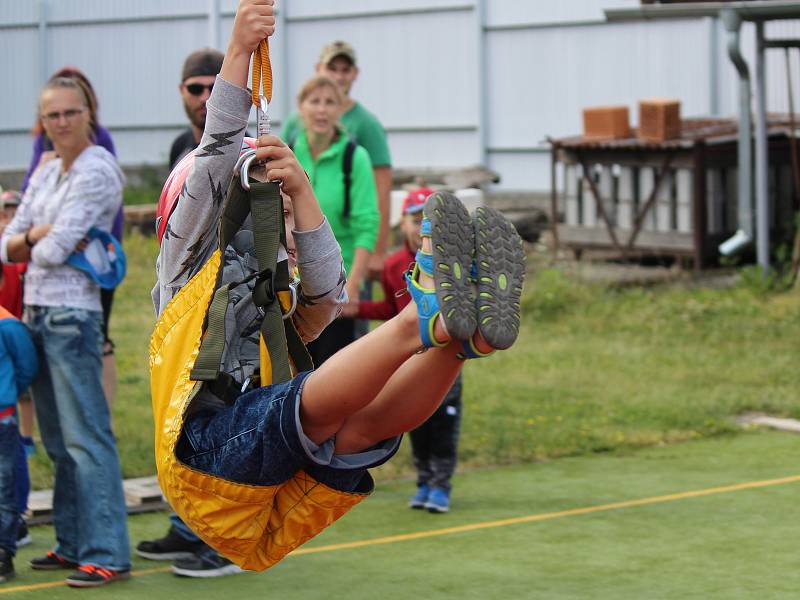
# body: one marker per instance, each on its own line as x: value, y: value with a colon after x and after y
x: 733, y: 24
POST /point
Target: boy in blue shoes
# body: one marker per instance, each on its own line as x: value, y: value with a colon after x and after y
x: 18, y: 365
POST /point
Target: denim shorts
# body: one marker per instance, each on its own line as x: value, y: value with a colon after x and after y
x: 259, y: 440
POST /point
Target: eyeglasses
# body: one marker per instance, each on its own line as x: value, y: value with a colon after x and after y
x: 196, y: 89
x: 68, y: 114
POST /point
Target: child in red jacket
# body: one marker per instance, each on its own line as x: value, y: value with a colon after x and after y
x: 434, y: 444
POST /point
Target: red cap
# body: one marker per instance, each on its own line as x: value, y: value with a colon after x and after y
x: 415, y: 200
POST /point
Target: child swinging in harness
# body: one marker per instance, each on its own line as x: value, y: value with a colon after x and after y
x: 259, y: 453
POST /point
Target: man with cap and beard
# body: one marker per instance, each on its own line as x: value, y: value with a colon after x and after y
x: 190, y: 555
x: 197, y: 80
x: 337, y: 60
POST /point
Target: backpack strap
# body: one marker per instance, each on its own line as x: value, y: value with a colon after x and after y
x: 347, y: 171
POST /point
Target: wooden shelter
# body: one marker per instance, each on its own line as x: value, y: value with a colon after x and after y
x: 672, y: 198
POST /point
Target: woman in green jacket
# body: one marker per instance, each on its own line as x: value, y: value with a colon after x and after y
x: 341, y: 175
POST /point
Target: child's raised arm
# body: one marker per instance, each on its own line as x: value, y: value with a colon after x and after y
x: 191, y: 235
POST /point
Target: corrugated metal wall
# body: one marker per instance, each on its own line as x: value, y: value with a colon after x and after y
x: 454, y: 82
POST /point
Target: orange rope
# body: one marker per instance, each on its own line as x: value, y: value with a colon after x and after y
x: 262, y: 73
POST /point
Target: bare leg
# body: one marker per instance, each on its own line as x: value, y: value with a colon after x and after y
x: 377, y: 387
x: 408, y: 399
x: 354, y: 376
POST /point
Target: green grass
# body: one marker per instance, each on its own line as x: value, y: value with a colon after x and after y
x: 594, y: 370
x: 146, y: 188
x: 733, y: 545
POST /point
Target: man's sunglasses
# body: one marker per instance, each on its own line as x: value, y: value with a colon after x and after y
x: 196, y: 89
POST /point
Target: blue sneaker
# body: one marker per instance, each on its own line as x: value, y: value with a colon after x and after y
x: 438, y: 501
x: 419, y: 499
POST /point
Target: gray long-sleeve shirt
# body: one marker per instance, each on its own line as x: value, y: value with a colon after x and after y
x: 191, y: 238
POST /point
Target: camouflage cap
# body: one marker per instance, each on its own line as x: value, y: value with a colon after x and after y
x: 334, y: 49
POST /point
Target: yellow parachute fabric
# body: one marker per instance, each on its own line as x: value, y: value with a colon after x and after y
x: 254, y: 526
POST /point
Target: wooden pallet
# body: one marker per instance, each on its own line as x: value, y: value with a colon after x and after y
x: 142, y: 494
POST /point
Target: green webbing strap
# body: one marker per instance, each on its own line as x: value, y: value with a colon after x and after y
x: 207, y: 365
x: 237, y: 207
x: 265, y: 204
x: 266, y: 207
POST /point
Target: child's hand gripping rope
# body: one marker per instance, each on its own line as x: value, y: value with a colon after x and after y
x: 253, y: 25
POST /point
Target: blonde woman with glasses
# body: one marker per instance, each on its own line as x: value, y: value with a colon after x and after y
x: 80, y: 189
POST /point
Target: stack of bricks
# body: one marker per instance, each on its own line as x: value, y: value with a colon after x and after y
x: 659, y: 119
x: 606, y: 122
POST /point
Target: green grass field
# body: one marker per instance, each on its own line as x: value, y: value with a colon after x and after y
x: 521, y: 532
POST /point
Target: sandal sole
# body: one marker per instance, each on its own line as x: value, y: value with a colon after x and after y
x: 500, y: 259
x: 453, y: 247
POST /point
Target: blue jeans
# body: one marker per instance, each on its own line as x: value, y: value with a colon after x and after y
x: 88, y: 502
x: 259, y: 441
x: 9, y: 515
x: 23, y: 476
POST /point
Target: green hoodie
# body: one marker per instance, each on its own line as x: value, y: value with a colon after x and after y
x: 360, y: 230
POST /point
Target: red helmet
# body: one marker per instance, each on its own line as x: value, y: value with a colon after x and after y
x: 174, y: 184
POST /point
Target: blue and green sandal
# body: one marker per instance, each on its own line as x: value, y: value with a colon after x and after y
x: 448, y: 224
x: 453, y: 248
x: 500, y: 260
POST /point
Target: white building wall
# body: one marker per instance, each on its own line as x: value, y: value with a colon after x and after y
x: 420, y: 66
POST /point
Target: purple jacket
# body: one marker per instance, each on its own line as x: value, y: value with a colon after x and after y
x: 103, y: 138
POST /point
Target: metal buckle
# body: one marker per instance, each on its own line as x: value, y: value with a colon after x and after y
x: 263, y: 128
x: 293, y: 291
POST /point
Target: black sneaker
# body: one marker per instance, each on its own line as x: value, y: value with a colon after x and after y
x: 172, y: 546
x: 91, y: 576
x: 23, y: 535
x: 52, y: 561
x: 6, y: 566
x: 206, y: 563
